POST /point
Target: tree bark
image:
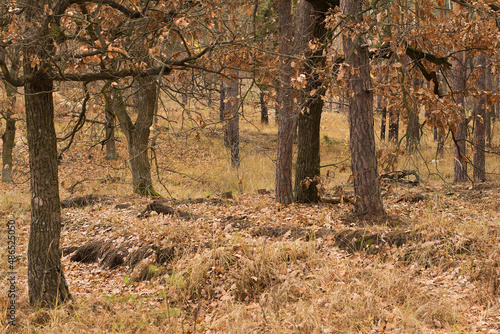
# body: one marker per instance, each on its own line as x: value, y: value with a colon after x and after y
x: 137, y: 133
x: 307, y: 167
x: 362, y: 137
x: 8, y: 137
x: 46, y: 282
x: 109, y: 127
x: 412, y: 132
x: 286, y: 116
x: 264, y: 114
x: 232, y: 118
x: 479, y: 124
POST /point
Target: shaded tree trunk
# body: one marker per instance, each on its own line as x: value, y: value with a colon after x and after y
x: 46, y: 282
x: 307, y: 168
x: 232, y: 118
x: 286, y: 116
x: 7, y: 148
x: 362, y: 137
x: 137, y: 133
x: 9, y: 135
x: 264, y: 114
x: 393, y: 127
x: 460, y: 134
x: 479, y: 124
x: 412, y: 131
x: 383, y: 114
x: 109, y: 127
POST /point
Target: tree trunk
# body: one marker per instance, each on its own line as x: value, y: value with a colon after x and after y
x: 393, y: 127
x: 109, y: 128
x: 8, y: 137
x: 460, y: 134
x: 46, y: 283
x: 7, y: 148
x: 479, y: 123
x: 307, y: 168
x: 264, y: 114
x: 362, y: 137
x: 286, y: 116
x: 233, y: 120
x: 412, y: 132
x: 138, y: 134
x: 383, y: 121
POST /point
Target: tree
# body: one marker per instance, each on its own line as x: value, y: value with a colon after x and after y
x: 46, y: 281
x: 286, y: 115
x: 309, y: 27
x: 361, y: 122
x: 460, y: 133
x: 231, y: 117
x: 479, y: 122
x: 82, y: 46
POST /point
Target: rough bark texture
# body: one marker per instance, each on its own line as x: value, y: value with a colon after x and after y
x: 362, y: 138
x: 307, y: 168
x: 46, y: 283
x: 479, y: 123
x: 460, y: 134
x: 286, y: 116
x: 137, y: 133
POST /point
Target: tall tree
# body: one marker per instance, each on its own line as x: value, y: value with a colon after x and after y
x: 362, y: 138
x: 479, y: 160
x: 285, y: 110
x: 46, y: 281
x: 309, y: 26
x: 460, y: 133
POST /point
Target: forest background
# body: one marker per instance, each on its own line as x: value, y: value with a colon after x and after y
x: 170, y: 102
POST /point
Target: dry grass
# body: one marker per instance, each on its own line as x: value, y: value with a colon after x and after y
x: 227, y: 278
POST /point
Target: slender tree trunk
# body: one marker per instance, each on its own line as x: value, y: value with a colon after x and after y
x: 383, y: 121
x: 412, y: 132
x: 8, y: 137
x: 393, y: 127
x: 460, y: 134
x: 307, y: 168
x: 286, y: 116
x: 489, y: 108
x: 233, y: 120
x: 264, y: 114
x: 7, y: 148
x: 138, y: 134
x: 109, y: 128
x: 479, y: 124
x: 362, y: 137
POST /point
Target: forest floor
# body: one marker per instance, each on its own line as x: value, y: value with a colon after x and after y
x: 213, y: 263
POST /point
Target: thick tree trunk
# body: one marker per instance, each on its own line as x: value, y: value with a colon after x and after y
x: 362, y: 137
x: 286, y: 116
x: 307, y: 168
x: 46, y: 283
x: 479, y: 123
x: 138, y: 134
x: 460, y: 134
